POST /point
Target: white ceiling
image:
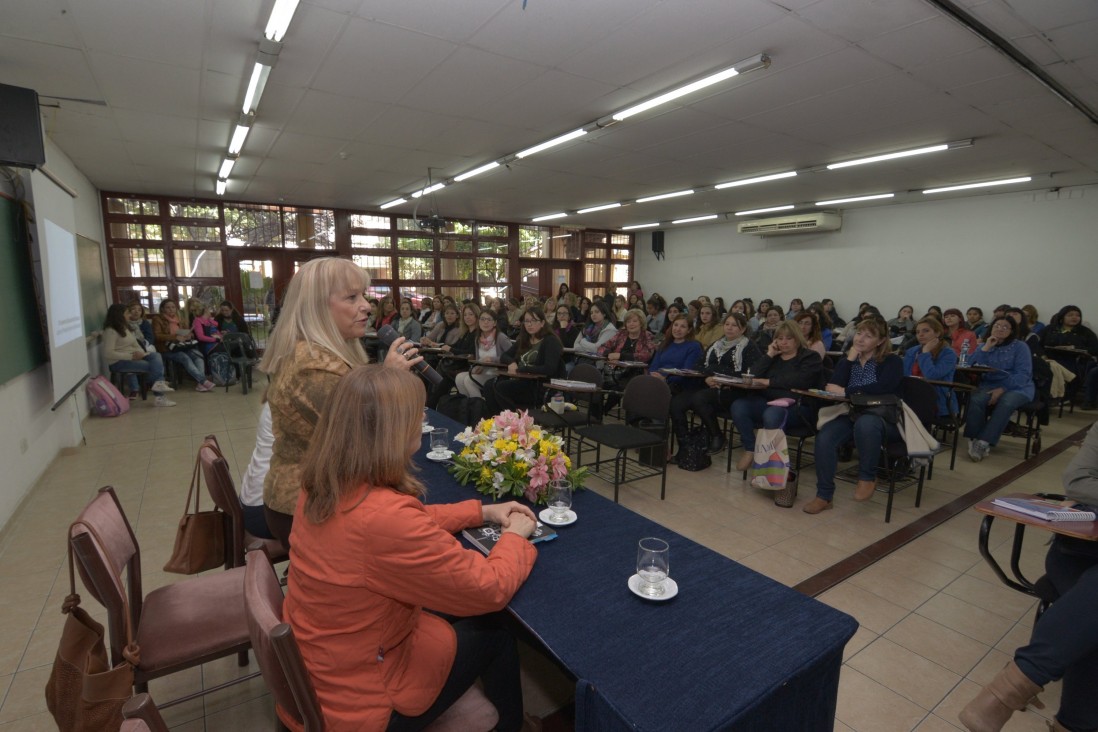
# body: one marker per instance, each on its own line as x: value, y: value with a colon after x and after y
x: 369, y: 94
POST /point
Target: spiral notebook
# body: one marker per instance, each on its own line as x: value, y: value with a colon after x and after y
x: 1044, y: 508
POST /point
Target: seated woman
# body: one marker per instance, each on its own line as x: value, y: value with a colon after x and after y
x: 829, y: 307
x: 565, y: 328
x: 135, y: 315
x: 122, y: 352
x: 1003, y: 390
x: 787, y: 364
x: 869, y: 368
x: 810, y: 329
x: 583, y: 310
x: 632, y: 343
x: 903, y: 325
x: 730, y: 355
x: 1033, y: 318
x: 407, y: 325
x: 596, y: 333
x: 755, y: 322
x: 205, y: 329
x: 959, y: 336
x: 464, y: 345
x: 229, y: 320
x: 1066, y: 330
x: 974, y: 318
x: 679, y: 351
x: 490, y: 345
x: 765, y: 333
x: 172, y: 340
x: 709, y: 330
x: 537, y: 351
x: 621, y: 306
x: 366, y: 556
x: 674, y: 310
x: 796, y: 306
x: 933, y: 359
x: 447, y: 332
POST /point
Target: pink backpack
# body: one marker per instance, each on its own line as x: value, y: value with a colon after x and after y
x: 104, y: 399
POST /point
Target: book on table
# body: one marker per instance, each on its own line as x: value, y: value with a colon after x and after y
x: 1046, y: 509
x: 573, y: 385
x: 485, y: 537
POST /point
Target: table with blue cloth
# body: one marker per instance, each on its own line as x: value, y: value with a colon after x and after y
x: 734, y: 650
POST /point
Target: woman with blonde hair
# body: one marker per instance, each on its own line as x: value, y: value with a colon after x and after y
x: 368, y: 554
x: 316, y: 343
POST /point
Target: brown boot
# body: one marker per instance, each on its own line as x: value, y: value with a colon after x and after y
x: 745, y: 461
x: 1007, y: 693
x: 865, y: 490
x: 816, y: 505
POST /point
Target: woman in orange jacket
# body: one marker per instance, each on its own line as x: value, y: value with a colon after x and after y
x: 367, y: 554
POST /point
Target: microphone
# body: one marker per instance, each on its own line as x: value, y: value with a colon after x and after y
x: 387, y: 335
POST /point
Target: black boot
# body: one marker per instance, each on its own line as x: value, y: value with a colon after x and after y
x: 716, y: 443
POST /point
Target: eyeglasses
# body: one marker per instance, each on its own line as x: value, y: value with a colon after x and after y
x: 487, y: 319
x: 531, y: 321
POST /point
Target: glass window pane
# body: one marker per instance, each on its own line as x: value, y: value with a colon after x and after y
x: 497, y: 292
x: 457, y: 227
x: 310, y: 229
x: 380, y: 268
x: 253, y: 225
x: 257, y: 297
x: 189, y: 210
x: 594, y: 272
x: 406, y: 224
x: 197, y: 263
x: 133, y: 207
x: 371, y: 241
x: 378, y: 291
x: 370, y: 221
x: 460, y: 293
x: 154, y: 231
x: 149, y: 296
x: 419, y: 244
x: 455, y: 269
x: 491, y: 270
x: 565, y: 244
x: 621, y: 240
x: 138, y: 262
x: 493, y: 247
x: 530, y: 281
x: 127, y: 231
x: 595, y: 237
x: 211, y: 295
x: 501, y: 230
x: 416, y: 268
x: 619, y: 273
x: 533, y: 241
x: 596, y: 252
x: 465, y: 246
x: 619, y: 254
x: 196, y: 233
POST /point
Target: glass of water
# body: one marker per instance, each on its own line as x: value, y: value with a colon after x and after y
x: 560, y: 500
x: 440, y: 440
x: 652, y: 565
x: 426, y: 421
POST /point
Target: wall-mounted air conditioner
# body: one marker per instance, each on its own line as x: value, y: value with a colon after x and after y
x: 799, y: 224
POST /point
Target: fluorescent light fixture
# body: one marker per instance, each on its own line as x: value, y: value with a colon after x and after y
x: 394, y: 202
x: 755, y: 62
x: 239, y: 135
x: 599, y: 208
x: 551, y: 143
x: 696, y: 218
x: 760, y: 179
x: 640, y: 226
x: 764, y: 210
x: 548, y: 217
x: 256, y: 84
x: 855, y: 199
x: 429, y: 189
x: 221, y: 186
x: 889, y: 156
x: 279, y: 21
x: 476, y: 171
x: 662, y: 196
x: 1005, y: 182
x: 226, y: 167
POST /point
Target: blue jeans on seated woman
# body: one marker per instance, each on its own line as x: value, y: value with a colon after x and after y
x: 980, y: 426
x: 152, y: 366
x: 751, y: 412
x: 869, y: 432
x: 191, y: 361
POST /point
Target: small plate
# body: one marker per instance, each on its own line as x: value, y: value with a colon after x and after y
x: 438, y: 457
x: 547, y: 516
x: 426, y: 428
x: 671, y: 588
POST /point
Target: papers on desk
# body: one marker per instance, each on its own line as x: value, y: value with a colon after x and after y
x: 681, y: 372
x: 721, y: 379
x: 629, y: 364
x: 573, y: 385
x: 485, y: 537
x: 1044, y: 508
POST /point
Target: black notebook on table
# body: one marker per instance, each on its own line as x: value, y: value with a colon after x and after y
x: 485, y: 537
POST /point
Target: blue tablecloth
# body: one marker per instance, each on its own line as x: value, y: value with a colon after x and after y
x: 734, y: 650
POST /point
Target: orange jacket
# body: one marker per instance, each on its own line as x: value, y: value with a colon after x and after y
x: 358, y: 583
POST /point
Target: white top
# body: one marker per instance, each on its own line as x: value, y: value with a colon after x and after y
x: 251, y: 486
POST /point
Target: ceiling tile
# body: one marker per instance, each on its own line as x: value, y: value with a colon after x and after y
x: 146, y: 86
x: 292, y: 146
x: 437, y: 17
x: 1076, y: 41
x: 907, y: 47
x: 49, y: 70
x: 446, y: 89
x: 164, y: 31
x: 332, y: 115
x: 857, y: 20
x: 45, y: 21
x: 149, y: 127
x: 305, y: 48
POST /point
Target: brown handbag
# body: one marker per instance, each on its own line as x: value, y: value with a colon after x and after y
x: 84, y: 693
x: 200, y: 538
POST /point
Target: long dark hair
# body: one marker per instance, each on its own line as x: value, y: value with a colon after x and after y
x: 1058, y: 319
x: 1010, y: 324
x: 524, y: 336
x: 689, y: 332
x: 116, y: 319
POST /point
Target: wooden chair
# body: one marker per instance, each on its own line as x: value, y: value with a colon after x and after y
x: 140, y: 714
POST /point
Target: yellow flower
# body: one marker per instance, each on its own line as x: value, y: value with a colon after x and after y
x: 567, y: 462
x: 485, y: 473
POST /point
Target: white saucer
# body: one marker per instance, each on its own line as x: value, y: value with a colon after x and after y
x: 547, y: 516
x: 438, y: 457
x: 426, y: 428
x: 671, y: 588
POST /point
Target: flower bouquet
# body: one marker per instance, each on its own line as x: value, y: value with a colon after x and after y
x: 508, y: 455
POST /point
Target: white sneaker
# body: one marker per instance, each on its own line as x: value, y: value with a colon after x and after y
x: 978, y: 450
x: 161, y: 386
x: 163, y: 401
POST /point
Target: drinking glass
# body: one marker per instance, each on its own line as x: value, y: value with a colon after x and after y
x: 652, y: 565
x: 560, y: 499
x: 440, y: 440
x: 426, y: 420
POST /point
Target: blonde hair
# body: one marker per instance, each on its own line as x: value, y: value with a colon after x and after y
x: 635, y: 313
x: 793, y: 330
x: 365, y: 437
x: 306, y: 313
x: 878, y: 328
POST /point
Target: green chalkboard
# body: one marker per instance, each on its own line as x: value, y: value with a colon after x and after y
x: 23, y: 348
x: 93, y: 287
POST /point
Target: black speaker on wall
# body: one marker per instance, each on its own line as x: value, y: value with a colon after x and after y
x: 20, y: 128
x: 657, y: 244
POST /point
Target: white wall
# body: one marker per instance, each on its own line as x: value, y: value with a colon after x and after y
x: 1016, y: 248
x: 31, y: 435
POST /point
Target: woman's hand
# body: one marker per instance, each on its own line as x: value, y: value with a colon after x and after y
x: 511, y: 516
x: 614, y: 357
x: 138, y: 355
x: 760, y: 382
x: 995, y: 394
x: 428, y: 342
x: 445, y: 347
x: 710, y: 382
x: 852, y: 354
x: 835, y: 389
x: 930, y: 346
x: 402, y: 354
x: 772, y: 350
x: 990, y: 343
x: 512, y: 369
x: 658, y: 375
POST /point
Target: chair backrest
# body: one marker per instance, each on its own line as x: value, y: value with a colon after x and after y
x: 276, y: 649
x: 239, y: 346
x: 219, y: 484
x: 922, y: 397
x: 141, y: 714
x: 101, y: 565
x: 646, y: 397
x: 586, y: 372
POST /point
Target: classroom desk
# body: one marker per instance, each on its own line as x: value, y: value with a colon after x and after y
x: 733, y: 651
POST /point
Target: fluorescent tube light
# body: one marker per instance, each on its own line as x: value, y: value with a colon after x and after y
x: 279, y: 22
x: 258, y: 81
x: 764, y: 210
x: 429, y: 189
x: 1007, y: 181
x: 547, y: 217
x: 755, y: 62
x: 640, y: 226
x: 889, y: 156
x: 696, y: 218
x: 221, y: 187
x: 476, y: 171
x: 855, y: 199
x: 665, y: 195
x: 760, y: 179
x: 394, y: 202
x: 226, y: 167
x: 598, y: 208
x: 551, y: 143
x: 239, y: 135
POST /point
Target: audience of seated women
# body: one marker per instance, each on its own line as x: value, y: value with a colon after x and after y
x: 598, y: 330
x: 632, y: 343
x: 406, y: 324
x: 490, y: 345
x: 122, y: 352
x: 680, y: 350
x: 229, y: 319
x: 959, y: 336
x: 762, y: 337
x: 1001, y: 391
x: 903, y: 325
x: 789, y: 363
x: 709, y: 329
x: 536, y: 351
x: 933, y: 359
x: 810, y: 329
x: 176, y: 343
x: 565, y: 328
x: 447, y: 331
x: 205, y: 329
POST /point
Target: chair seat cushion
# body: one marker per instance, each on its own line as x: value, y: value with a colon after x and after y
x: 274, y: 548
x: 621, y: 436
x: 199, y: 617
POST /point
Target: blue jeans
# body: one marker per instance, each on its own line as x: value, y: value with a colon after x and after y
x: 979, y: 426
x: 751, y: 412
x: 152, y: 366
x: 191, y: 361
x: 870, y: 432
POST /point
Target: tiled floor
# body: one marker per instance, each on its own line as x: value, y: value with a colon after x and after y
x: 935, y: 622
